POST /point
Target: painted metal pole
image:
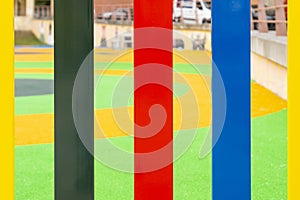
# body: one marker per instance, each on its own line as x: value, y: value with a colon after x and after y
x: 231, y: 55
x: 153, y: 93
x: 7, y: 100
x: 74, y: 165
x: 293, y: 100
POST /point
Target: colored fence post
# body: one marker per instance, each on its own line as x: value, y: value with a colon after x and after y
x: 281, y: 28
x: 7, y: 97
x: 231, y: 156
x: 251, y: 20
x: 74, y: 165
x: 153, y: 28
x: 129, y: 14
x: 293, y: 100
x: 262, y: 26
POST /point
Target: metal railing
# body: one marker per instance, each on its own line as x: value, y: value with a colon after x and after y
x: 265, y: 22
x: 42, y: 12
x: 123, y: 13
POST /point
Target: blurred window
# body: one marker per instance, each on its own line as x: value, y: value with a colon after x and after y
x: 20, y: 7
x: 185, y: 3
x: 199, y: 5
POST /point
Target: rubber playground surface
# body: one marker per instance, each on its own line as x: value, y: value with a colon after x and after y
x: 34, y: 127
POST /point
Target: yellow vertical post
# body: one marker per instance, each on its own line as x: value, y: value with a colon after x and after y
x: 7, y: 99
x: 293, y: 100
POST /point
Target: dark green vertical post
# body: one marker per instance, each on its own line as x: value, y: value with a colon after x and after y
x: 74, y: 165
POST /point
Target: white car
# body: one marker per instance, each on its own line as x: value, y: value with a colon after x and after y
x: 119, y: 14
x: 191, y: 11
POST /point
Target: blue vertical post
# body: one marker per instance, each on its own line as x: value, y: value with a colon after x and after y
x: 231, y: 157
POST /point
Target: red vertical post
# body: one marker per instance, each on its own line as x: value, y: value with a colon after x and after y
x: 153, y: 163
